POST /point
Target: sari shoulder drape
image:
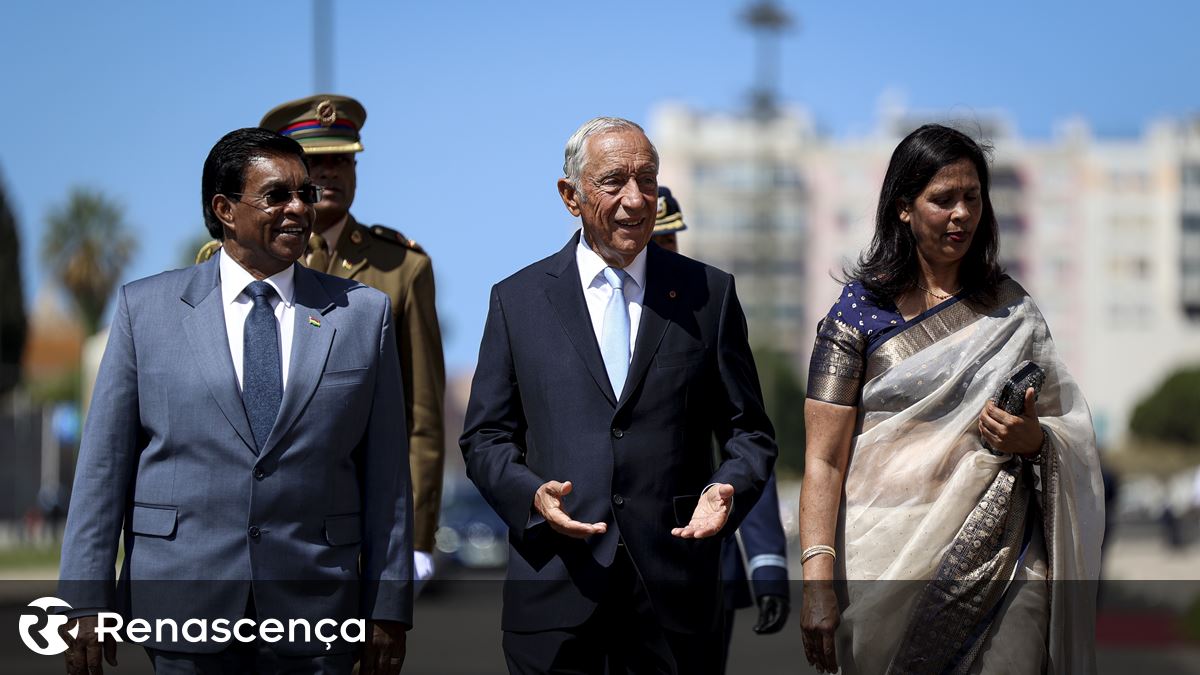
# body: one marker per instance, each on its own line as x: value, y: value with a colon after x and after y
x: 937, y: 326
x: 859, y: 338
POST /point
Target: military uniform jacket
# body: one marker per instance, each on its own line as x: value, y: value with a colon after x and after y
x: 387, y: 260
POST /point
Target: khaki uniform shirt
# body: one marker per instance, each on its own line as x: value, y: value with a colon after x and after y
x: 388, y: 261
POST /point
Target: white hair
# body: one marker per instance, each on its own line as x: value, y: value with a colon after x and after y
x: 575, y: 155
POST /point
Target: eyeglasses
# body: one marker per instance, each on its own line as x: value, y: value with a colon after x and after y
x: 309, y: 194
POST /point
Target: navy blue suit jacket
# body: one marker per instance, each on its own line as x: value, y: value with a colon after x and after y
x: 542, y: 408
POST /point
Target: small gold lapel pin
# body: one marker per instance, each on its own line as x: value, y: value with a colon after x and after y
x: 346, y: 265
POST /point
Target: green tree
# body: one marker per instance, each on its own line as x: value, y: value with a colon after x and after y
x: 784, y: 399
x: 87, y: 245
x: 1169, y: 413
x: 12, y: 299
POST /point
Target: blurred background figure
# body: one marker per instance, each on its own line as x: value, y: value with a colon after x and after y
x: 668, y: 221
x: 754, y: 559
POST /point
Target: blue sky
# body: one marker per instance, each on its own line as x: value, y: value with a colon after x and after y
x: 470, y: 102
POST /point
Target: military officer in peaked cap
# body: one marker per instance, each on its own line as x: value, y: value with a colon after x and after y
x: 328, y: 127
x: 668, y: 221
x: 753, y: 559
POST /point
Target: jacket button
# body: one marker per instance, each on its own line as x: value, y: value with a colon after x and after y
x: 259, y: 474
x: 618, y: 500
x: 253, y: 532
x: 617, y: 433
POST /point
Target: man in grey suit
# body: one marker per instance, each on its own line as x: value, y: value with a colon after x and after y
x: 243, y: 438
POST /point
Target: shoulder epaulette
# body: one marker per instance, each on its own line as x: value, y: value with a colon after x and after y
x: 388, y: 234
x: 207, y: 251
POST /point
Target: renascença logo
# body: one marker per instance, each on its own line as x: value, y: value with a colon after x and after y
x: 109, y: 626
x: 54, y: 643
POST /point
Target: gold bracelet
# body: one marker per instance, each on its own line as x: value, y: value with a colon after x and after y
x: 814, y: 551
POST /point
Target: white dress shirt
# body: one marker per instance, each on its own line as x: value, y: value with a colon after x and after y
x: 236, y: 305
x: 596, y: 290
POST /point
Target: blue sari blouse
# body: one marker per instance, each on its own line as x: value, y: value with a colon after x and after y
x: 857, y: 324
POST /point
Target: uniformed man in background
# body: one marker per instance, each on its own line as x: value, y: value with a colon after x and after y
x: 754, y: 559
x: 327, y: 126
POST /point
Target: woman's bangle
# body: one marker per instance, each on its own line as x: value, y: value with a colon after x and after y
x: 814, y: 551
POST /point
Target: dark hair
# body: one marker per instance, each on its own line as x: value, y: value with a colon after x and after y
x: 225, y: 168
x: 888, y: 268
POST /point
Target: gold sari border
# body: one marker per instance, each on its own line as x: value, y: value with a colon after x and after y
x: 936, y: 327
x: 953, y: 613
x: 1050, y: 487
x: 835, y: 370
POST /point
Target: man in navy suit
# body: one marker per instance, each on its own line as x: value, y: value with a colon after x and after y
x: 604, y: 372
x: 202, y: 448
x: 753, y: 559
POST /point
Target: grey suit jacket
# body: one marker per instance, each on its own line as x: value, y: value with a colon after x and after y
x: 316, y: 525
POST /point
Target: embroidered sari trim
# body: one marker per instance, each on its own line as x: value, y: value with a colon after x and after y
x: 954, y: 611
x: 936, y: 327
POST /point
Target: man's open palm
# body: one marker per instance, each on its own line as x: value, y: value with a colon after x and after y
x: 711, y: 514
x: 548, y: 500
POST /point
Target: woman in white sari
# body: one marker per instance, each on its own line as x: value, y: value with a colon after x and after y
x: 940, y: 533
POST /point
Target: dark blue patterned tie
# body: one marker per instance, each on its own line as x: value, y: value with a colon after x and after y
x: 262, y: 372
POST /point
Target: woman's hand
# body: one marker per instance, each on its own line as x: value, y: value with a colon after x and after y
x: 819, y: 619
x: 1012, y: 434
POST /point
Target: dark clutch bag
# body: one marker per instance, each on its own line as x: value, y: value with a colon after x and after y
x: 1010, y: 396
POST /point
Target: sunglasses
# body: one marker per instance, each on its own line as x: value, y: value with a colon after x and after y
x: 309, y: 194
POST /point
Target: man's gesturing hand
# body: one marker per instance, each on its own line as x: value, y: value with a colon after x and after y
x: 83, y: 651
x: 384, y: 653
x: 710, y: 515
x: 548, y: 500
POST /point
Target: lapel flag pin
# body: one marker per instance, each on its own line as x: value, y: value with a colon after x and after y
x: 672, y: 294
x: 313, y: 322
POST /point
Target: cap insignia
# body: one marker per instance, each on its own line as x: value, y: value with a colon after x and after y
x: 326, y: 113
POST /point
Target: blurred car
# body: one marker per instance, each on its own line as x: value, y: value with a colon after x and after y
x: 470, y: 534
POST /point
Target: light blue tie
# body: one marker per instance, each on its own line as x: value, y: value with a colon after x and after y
x: 614, y: 333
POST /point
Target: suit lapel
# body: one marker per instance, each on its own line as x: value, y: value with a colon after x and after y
x: 205, y: 331
x: 350, y: 250
x: 656, y: 305
x: 566, y: 296
x: 310, y: 348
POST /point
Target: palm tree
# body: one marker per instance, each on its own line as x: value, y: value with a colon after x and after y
x: 87, y: 245
x: 12, y: 299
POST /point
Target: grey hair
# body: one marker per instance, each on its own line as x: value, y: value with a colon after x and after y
x: 575, y: 155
